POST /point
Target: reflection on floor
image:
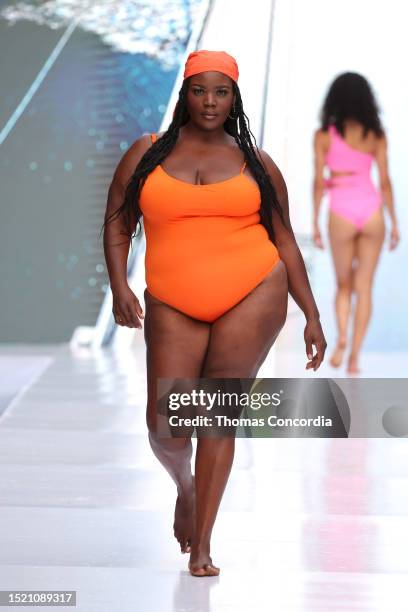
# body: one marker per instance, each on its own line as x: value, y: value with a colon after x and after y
x: 305, y: 524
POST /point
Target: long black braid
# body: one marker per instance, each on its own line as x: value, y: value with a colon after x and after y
x: 238, y: 127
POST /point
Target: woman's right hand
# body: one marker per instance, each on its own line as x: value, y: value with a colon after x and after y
x: 394, y: 236
x: 126, y: 307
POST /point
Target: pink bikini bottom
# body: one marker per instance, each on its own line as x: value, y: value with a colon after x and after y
x: 353, y: 197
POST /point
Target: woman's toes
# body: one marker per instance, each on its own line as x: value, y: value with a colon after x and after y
x: 208, y: 569
x: 211, y: 569
x: 198, y: 572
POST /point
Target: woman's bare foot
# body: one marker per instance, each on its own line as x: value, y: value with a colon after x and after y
x: 201, y: 564
x: 184, y: 518
x: 352, y: 367
x: 337, y: 356
x: 203, y: 569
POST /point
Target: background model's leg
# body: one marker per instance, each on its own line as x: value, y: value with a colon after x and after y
x: 342, y: 236
x: 369, y: 244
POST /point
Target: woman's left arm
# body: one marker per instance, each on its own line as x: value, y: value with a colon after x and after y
x: 299, y: 286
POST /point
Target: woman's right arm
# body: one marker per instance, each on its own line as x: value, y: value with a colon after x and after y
x: 386, y: 188
x: 319, y: 146
x: 116, y: 242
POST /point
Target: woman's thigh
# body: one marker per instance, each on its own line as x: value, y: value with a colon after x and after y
x: 241, y: 338
x: 175, y: 348
x: 369, y: 245
x: 342, y: 237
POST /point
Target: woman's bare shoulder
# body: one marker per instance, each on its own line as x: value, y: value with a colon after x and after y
x: 140, y: 145
x: 380, y: 140
x: 321, y: 138
x: 131, y: 158
x: 137, y: 149
x: 145, y: 141
x: 380, y: 144
x: 273, y: 170
x: 374, y: 143
x: 267, y: 160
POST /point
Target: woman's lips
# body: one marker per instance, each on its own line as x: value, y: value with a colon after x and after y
x: 208, y: 116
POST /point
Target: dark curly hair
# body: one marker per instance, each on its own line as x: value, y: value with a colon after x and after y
x: 238, y: 127
x: 350, y: 97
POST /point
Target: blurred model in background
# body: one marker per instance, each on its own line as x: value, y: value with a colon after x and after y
x: 350, y: 138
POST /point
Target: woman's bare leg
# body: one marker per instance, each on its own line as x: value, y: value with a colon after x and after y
x: 342, y: 237
x: 175, y: 348
x: 369, y: 244
x: 239, y: 343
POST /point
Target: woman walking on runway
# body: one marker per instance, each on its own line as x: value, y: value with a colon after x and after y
x: 220, y: 259
x: 350, y: 138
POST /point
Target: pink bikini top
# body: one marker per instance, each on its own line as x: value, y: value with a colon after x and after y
x: 341, y: 157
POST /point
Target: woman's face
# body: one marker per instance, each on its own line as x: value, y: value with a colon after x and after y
x: 209, y: 99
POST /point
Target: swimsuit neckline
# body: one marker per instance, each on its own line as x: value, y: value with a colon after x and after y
x: 232, y: 178
x: 340, y: 137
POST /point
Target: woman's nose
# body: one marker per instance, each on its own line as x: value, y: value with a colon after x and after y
x: 209, y: 100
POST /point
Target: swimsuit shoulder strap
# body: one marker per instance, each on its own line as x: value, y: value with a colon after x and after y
x: 153, y: 137
x: 332, y: 130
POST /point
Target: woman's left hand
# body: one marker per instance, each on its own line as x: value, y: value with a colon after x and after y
x: 394, y: 237
x: 314, y: 337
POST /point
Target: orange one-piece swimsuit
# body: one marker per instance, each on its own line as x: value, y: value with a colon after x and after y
x: 205, y: 246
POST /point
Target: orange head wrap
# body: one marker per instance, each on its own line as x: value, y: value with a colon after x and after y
x: 204, y: 61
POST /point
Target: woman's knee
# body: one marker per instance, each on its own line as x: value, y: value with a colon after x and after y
x: 345, y: 283
x: 160, y: 429
x: 362, y: 286
x: 168, y: 445
x: 362, y: 281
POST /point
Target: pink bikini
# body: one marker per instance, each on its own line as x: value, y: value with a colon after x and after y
x: 352, y: 196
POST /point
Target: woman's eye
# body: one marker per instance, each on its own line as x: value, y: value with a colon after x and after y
x: 222, y: 92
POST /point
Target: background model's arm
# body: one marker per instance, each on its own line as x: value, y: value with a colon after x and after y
x: 318, y: 181
x: 319, y: 146
x: 386, y: 188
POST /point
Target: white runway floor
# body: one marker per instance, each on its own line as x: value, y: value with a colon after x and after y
x: 304, y: 525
